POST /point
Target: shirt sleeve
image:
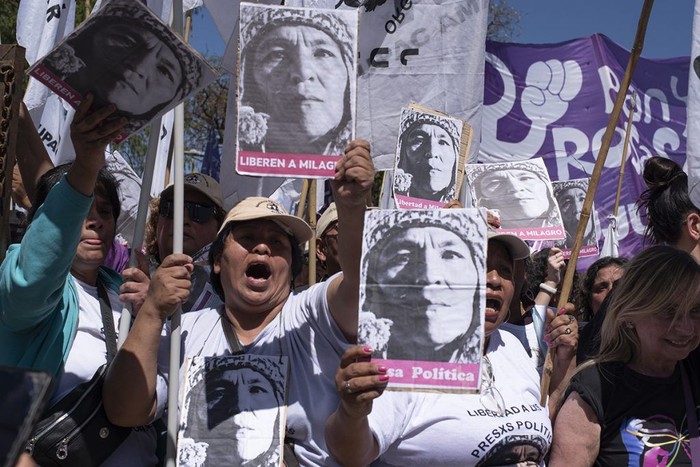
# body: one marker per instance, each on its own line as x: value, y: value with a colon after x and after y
x: 587, y: 384
x: 34, y: 273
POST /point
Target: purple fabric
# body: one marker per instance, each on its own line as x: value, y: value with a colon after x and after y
x: 554, y: 101
x: 118, y: 257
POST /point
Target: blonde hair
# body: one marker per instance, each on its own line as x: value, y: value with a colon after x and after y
x: 151, y: 238
x: 660, y: 281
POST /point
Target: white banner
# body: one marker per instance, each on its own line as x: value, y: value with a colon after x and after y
x: 161, y: 165
x: 426, y: 51
x: 693, y: 122
x: 41, y: 24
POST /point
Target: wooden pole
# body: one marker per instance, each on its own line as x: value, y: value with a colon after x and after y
x: 312, y: 241
x: 595, y: 178
x: 624, y: 153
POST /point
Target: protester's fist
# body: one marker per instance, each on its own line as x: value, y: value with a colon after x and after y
x: 170, y: 285
x: 354, y: 174
x: 92, y: 131
x: 134, y: 289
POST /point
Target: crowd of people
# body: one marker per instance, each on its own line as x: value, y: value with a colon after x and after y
x: 274, y: 367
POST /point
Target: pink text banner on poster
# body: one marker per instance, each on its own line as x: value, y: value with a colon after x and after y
x: 286, y: 165
x: 438, y: 376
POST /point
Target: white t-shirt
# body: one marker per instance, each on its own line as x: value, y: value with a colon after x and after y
x: 528, y: 338
x: 457, y: 430
x: 87, y: 354
x: 305, y: 332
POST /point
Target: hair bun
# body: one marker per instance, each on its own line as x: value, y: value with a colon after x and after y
x: 660, y: 172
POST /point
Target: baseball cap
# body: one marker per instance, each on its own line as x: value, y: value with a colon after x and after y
x: 256, y: 207
x: 329, y: 216
x: 202, y: 183
x: 517, y: 248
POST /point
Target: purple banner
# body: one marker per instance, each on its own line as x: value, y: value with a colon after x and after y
x: 554, y: 101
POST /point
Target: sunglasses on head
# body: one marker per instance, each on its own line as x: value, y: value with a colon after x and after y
x: 199, y: 213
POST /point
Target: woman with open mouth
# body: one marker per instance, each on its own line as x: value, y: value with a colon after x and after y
x: 254, y: 260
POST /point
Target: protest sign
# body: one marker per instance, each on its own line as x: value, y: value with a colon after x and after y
x: 430, y: 156
x: 422, y: 296
x: 124, y: 55
x: 296, y: 85
x: 425, y: 51
x: 521, y: 193
x: 570, y: 195
x: 233, y: 411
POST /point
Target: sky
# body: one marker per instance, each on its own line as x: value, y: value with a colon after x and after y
x: 551, y: 21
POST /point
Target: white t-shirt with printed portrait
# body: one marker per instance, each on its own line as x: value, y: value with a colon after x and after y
x: 458, y: 429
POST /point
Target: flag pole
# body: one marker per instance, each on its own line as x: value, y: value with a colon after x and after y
x: 595, y: 178
x: 178, y: 228
x: 142, y: 212
x: 633, y: 107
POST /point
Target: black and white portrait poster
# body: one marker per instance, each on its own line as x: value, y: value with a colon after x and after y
x: 570, y: 195
x: 233, y: 411
x: 124, y: 55
x: 429, y: 159
x: 521, y: 193
x: 296, y: 90
x: 422, y: 296
x: 425, y: 51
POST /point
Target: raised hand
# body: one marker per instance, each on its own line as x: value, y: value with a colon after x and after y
x: 354, y: 174
x: 359, y: 381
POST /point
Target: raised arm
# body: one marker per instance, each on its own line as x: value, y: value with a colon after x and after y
x: 576, y: 439
x: 34, y: 273
x: 32, y: 158
x: 348, y: 436
x: 351, y: 185
x: 129, y: 393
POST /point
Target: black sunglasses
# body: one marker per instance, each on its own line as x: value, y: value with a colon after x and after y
x: 199, y: 213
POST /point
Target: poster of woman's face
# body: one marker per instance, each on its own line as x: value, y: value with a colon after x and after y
x: 233, y: 412
x: 124, y: 55
x: 427, y: 157
x: 297, y: 81
x: 521, y: 193
x: 570, y: 196
x: 422, y: 288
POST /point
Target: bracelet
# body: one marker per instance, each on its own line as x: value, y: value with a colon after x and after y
x: 547, y: 288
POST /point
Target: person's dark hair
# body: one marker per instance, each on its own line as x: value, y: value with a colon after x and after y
x: 582, y: 300
x: 666, y: 203
x: 217, y: 249
x: 536, y: 272
x: 106, y: 185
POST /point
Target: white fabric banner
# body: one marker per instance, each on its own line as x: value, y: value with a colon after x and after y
x: 159, y: 182
x: 693, y: 122
x: 426, y: 51
x: 41, y: 24
x: 129, y: 191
